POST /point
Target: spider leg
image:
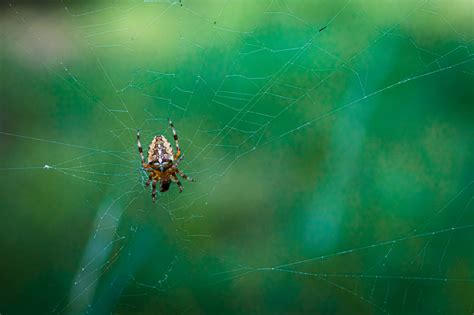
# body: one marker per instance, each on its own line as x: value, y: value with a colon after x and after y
x: 185, y: 176
x: 175, y: 136
x: 175, y: 179
x: 153, y: 190
x: 176, y: 163
x: 140, y: 150
x: 148, y: 181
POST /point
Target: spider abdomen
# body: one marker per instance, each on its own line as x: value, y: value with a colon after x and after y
x: 160, y: 151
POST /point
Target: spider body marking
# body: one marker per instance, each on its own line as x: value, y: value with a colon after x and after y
x: 162, y: 162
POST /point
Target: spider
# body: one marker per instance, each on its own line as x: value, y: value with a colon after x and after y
x: 162, y: 163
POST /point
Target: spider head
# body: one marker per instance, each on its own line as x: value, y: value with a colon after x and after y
x: 165, y: 185
x: 161, y: 166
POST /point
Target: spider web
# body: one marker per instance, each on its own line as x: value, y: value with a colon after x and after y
x: 330, y: 142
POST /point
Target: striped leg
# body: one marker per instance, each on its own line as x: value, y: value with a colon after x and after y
x: 175, y: 136
x: 185, y: 176
x: 148, y: 181
x: 176, y: 180
x: 140, y: 150
x: 153, y: 190
x: 176, y: 162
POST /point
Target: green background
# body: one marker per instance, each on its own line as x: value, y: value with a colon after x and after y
x: 332, y: 143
